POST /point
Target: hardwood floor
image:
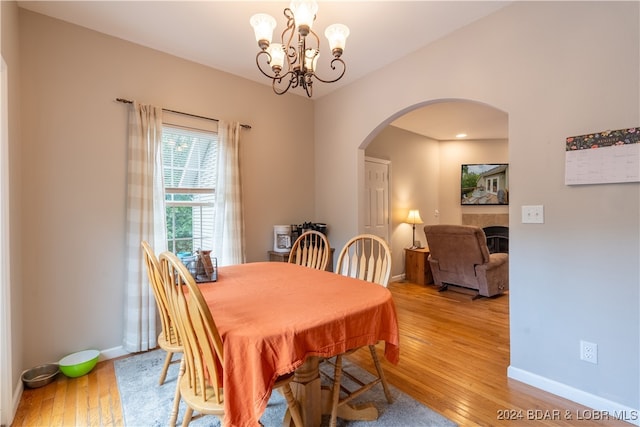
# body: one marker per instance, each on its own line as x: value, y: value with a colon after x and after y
x: 90, y: 400
x: 454, y: 354
x: 454, y: 358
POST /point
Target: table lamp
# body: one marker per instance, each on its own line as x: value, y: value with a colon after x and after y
x: 414, y: 218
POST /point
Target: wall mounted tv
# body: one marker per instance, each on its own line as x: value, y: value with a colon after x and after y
x: 484, y: 184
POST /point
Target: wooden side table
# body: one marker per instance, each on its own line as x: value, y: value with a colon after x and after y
x: 416, y: 264
x: 284, y: 257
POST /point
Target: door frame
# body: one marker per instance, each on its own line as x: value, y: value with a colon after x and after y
x: 6, y: 375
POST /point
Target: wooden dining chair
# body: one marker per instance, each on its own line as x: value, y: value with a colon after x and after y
x: 169, y: 339
x: 201, y: 385
x: 311, y: 249
x: 366, y: 257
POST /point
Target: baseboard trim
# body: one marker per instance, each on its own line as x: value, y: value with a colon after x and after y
x: 398, y: 278
x: 600, y: 407
x: 112, y: 353
x: 17, y: 395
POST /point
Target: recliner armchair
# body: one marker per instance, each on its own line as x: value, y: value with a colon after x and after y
x: 458, y: 255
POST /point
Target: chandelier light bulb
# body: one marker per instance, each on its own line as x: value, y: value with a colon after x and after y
x: 277, y: 57
x: 304, y: 13
x: 311, y: 59
x: 337, y: 35
x: 263, y: 26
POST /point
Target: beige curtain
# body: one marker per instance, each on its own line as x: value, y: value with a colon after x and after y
x: 145, y: 221
x: 228, y: 230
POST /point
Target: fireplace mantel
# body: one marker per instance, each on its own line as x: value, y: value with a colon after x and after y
x: 486, y: 220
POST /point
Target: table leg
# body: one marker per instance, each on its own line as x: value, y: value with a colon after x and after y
x: 314, y: 400
x: 349, y: 411
x: 306, y: 388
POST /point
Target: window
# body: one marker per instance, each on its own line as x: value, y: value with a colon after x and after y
x: 189, y: 166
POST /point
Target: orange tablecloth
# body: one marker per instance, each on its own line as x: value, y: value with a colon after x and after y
x: 271, y: 315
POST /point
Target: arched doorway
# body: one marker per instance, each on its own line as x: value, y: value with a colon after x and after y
x: 425, y: 157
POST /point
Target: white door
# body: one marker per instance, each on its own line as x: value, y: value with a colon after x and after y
x: 376, y: 213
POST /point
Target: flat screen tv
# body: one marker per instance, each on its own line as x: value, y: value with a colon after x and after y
x: 484, y: 184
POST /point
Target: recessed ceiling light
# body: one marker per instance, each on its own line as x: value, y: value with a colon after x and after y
x: 461, y: 135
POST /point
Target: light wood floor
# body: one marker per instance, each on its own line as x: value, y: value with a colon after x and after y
x: 454, y: 354
x: 90, y: 400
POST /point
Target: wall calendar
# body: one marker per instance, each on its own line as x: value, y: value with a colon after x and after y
x: 603, y: 158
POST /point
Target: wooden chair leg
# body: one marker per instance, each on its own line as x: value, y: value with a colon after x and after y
x: 176, y: 396
x: 292, y: 403
x: 381, y: 375
x: 335, y: 391
x: 187, y: 417
x: 165, y: 368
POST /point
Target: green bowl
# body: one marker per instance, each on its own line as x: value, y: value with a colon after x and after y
x: 79, y: 364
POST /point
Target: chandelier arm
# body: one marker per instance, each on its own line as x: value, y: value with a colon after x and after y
x: 296, y: 80
x: 333, y: 67
x: 278, y: 80
x: 303, y: 52
x: 292, y: 57
x: 315, y: 35
x: 258, y: 55
x: 288, y: 13
x: 290, y: 51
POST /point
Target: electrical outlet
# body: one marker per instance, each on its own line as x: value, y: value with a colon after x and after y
x: 589, y: 352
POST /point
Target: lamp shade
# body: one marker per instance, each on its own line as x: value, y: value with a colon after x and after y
x: 337, y: 35
x: 311, y: 59
x: 414, y: 217
x: 304, y: 13
x: 263, y: 26
x: 277, y: 56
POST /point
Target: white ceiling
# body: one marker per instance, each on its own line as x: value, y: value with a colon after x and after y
x: 444, y: 120
x: 218, y: 34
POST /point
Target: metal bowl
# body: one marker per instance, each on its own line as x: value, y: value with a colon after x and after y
x: 40, y: 375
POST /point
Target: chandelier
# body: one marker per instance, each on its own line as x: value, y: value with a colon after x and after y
x: 292, y: 62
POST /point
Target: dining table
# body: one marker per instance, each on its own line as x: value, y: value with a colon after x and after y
x: 275, y: 318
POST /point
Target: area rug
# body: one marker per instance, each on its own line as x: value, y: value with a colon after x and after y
x: 145, y: 403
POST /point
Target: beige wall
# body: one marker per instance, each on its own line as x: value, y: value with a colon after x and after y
x: 576, y: 276
x: 74, y: 171
x: 453, y: 154
x: 425, y: 175
x: 550, y: 77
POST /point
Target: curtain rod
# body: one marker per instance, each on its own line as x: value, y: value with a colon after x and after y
x: 127, y: 101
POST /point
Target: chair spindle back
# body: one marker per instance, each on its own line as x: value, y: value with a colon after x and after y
x: 366, y: 257
x: 311, y: 249
x: 199, y: 334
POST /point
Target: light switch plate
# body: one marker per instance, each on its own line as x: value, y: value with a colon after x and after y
x: 533, y: 214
